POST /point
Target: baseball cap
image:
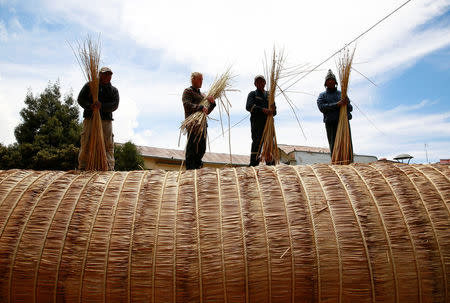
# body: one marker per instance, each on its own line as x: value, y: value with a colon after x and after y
x: 105, y: 69
x: 260, y: 77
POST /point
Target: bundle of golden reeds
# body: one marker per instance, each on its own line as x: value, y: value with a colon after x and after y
x: 88, y: 57
x: 343, y: 149
x: 195, y: 124
x: 269, y: 147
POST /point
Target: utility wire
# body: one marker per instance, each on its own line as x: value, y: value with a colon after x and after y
x: 364, y: 76
x: 362, y: 34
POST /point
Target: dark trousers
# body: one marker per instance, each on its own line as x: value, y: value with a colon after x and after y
x: 195, y: 150
x: 331, y: 128
x: 257, y: 136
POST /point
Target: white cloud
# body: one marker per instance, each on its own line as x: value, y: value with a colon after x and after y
x: 208, y: 36
x: 3, y: 32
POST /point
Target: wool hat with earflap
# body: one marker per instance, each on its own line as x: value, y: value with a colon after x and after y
x: 330, y: 75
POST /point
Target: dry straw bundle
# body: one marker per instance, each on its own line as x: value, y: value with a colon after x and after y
x: 275, y: 71
x: 88, y: 57
x: 320, y: 233
x: 269, y: 147
x: 195, y: 124
x: 343, y: 149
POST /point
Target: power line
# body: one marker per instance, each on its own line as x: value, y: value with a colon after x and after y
x: 364, y: 76
x: 362, y: 34
x: 226, y: 131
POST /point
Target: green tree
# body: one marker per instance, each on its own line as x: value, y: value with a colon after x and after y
x: 49, y: 135
x: 127, y: 157
x: 10, y: 156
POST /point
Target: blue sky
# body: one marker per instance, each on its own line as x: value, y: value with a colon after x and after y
x: 153, y: 47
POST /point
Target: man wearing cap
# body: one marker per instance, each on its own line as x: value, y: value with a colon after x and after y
x: 192, y: 97
x: 258, y: 106
x: 329, y: 103
x: 108, y: 101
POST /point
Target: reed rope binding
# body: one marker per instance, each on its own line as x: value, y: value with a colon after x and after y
x: 222, y: 254
x: 65, y: 235
x: 363, y: 237
x: 174, y: 260
x: 156, y: 235
x: 335, y: 234
x: 387, y: 237
x: 416, y: 262
x: 243, y: 233
x: 46, y: 234
x: 434, y: 231
x: 314, y: 231
x: 105, y: 271
x: 266, y: 237
x: 130, y: 256
x: 17, y: 200
x: 47, y: 186
x: 291, y: 245
x: 88, y: 244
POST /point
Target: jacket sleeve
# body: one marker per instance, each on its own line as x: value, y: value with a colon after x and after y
x: 325, y: 107
x: 251, y: 104
x: 275, y: 109
x: 211, y: 106
x: 349, y: 106
x: 84, y: 97
x: 189, y: 106
x: 109, y: 107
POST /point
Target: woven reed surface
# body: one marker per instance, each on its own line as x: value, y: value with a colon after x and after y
x: 320, y: 233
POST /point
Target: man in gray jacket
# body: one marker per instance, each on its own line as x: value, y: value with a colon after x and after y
x: 329, y: 103
x: 192, y: 97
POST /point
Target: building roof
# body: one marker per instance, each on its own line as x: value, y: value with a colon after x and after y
x: 290, y: 148
x: 176, y: 154
x: 309, y: 149
x: 403, y: 156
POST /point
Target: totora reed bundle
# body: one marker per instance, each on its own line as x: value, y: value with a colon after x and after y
x: 370, y: 233
x: 343, y: 150
x: 269, y: 147
x: 88, y: 57
x: 195, y: 124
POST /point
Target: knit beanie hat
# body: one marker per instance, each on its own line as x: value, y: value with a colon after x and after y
x: 330, y: 75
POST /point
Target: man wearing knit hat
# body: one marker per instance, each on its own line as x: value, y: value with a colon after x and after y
x: 329, y: 103
x: 258, y: 106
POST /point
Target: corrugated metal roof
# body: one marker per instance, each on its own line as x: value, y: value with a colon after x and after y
x: 176, y: 154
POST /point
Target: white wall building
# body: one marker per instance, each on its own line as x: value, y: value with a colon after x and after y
x: 302, y: 155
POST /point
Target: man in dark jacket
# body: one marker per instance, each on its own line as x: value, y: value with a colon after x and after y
x: 108, y: 101
x: 258, y: 106
x: 329, y: 103
x: 192, y: 97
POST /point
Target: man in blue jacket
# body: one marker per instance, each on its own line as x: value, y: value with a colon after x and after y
x: 258, y: 106
x: 329, y: 103
x: 108, y: 101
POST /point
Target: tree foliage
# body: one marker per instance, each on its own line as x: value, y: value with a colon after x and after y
x: 127, y: 157
x: 48, y: 136
x: 10, y: 156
